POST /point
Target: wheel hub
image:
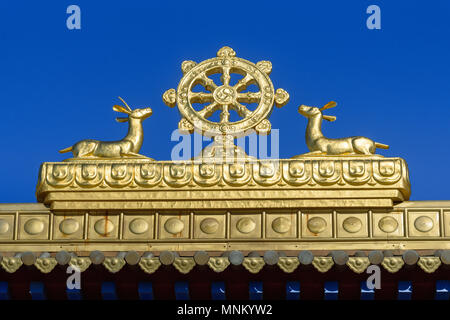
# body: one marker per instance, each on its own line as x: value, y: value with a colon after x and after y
x: 224, y: 95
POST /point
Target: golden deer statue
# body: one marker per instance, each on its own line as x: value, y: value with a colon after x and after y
x: 127, y: 147
x: 318, y: 144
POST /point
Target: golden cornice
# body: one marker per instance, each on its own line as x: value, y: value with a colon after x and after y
x: 36, y: 228
x: 312, y: 172
x: 96, y: 184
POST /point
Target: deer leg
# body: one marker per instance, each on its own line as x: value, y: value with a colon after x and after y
x: 317, y: 152
x: 363, y: 145
x: 84, y: 149
x: 363, y: 149
x: 311, y: 153
x: 132, y: 154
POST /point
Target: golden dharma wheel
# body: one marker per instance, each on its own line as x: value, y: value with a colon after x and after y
x: 225, y: 97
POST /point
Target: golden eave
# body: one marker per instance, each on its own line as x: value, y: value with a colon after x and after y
x: 413, y: 232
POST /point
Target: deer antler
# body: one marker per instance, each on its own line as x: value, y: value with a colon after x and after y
x: 128, y: 107
x: 329, y: 105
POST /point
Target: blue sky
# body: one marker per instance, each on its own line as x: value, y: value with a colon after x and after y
x: 58, y: 86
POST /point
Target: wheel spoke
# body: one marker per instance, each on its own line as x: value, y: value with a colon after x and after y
x: 225, y: 114
x: 249, y: 97
x: 207, y: 82
x: 241, y: 110
x: 244, y: 82
x: 200, y: 97
x: 226, y: 76
x: 207, y: 111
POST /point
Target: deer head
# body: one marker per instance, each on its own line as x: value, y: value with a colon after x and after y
x: 310, y: 112
x: 141, y: 114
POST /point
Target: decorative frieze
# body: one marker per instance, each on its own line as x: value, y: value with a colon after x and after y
x: 132, y: 184
x: 220, y: 229
x: 144, y: 174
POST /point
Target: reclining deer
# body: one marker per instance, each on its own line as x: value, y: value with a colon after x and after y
x: 318, y: 144
x: 127, y: 147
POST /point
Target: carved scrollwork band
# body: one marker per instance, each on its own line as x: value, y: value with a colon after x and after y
x: 309, y: 172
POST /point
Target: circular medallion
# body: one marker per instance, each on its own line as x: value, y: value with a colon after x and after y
x: 69, y: 226
x: 388, y: 224
x: 104, y: 227
x: 174, y: 225
x: 224, y: 94
x: 352, y: 224
x: 138, y: 226
x: 4, y: 226
x: 209, y: 225
x: 281, y: 225
x: 423, y: 223
x: 316, y: 224
x: 34, y: 226
x: 245, y: 225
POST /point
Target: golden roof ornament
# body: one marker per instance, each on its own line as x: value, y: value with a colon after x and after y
x: 225, y: 97
x: 127, y: 147
x: 318, y: 144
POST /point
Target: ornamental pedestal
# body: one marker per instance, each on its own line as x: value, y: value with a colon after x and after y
x: 309, y: 182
